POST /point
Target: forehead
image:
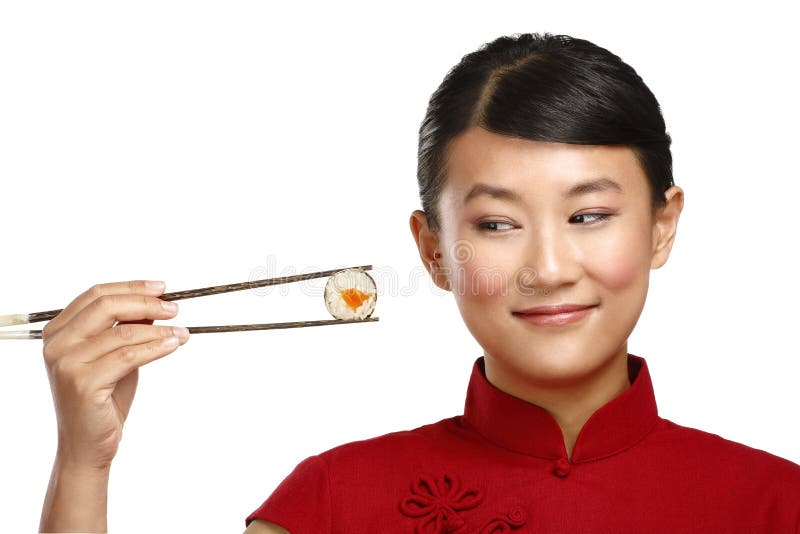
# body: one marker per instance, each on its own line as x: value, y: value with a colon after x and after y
x: 537, y: 169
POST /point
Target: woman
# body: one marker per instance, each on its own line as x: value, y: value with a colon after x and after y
x: 546, y: 183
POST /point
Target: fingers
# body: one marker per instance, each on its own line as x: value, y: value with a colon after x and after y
x: 92, y: 364
x: 115, y: 365
x: 115, y: 338
x: 101, y: 313
x: 144, y: 287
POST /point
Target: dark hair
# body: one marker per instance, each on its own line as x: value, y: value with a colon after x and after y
x: 546, y: 88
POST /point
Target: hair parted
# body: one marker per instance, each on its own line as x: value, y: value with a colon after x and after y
x: 543, y: 87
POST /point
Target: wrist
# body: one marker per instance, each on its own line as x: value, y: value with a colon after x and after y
x: 73, y: 454
x: 76, y: 499
x: 76, y: 468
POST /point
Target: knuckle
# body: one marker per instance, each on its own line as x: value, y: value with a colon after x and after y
x: 135, y: 286
x: 49, y: 353
x: 123, y: 331
x: 127, y: 354
x: 61, y: 369
x: 96, y: 290
x: 50, y: 349
x: 104, y: 302
x: 166, y: 331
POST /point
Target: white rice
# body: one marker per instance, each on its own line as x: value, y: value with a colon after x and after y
x: 350, y: 279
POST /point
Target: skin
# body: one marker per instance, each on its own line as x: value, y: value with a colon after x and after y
x: 93, y: 366
x: 542, y: 252
x: 92, y: 351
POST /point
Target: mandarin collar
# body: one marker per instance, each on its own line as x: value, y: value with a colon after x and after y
x: 527, y: 428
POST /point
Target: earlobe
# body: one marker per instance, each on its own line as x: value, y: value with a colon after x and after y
x: 655, y: 256
x: 427, y: 244
x: 439, y: 274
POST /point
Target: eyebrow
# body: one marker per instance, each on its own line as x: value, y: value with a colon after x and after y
x: 593, y: 185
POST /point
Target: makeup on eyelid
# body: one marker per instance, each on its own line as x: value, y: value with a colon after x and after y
x: 597, y: 218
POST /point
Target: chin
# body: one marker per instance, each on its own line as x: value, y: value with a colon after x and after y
x: 552, y: 364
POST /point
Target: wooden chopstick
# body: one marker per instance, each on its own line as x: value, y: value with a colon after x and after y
x: 35, y: 317
x: 37, y: 334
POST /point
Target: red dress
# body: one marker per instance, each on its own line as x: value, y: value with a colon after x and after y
x: 502, y: 467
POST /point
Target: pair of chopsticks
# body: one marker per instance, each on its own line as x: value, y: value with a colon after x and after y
x: 23, y: 318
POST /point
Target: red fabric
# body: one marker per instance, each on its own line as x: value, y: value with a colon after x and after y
x: 502, y: 467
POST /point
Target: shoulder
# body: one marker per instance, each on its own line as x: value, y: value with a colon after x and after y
x: 387, y: 461
x: 396, y: 446
x: 707, y: 451
x: 711, y: 443
x: 352, y: 474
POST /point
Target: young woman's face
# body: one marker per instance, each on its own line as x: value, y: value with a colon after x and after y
x: 541, y: 243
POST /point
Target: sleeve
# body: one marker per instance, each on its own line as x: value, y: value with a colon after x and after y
x: 302, y: 501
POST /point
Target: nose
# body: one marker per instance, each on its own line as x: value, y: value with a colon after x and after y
x: 552, y: 261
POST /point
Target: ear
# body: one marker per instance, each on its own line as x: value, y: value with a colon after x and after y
x: 429, y: 249
x: 665, y: 225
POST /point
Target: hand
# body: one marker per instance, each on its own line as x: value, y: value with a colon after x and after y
x: 93, y: 364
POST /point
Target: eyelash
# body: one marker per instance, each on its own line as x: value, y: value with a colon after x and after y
x: 599, y: 217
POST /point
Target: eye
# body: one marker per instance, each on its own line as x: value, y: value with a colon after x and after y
x: 493, y: 226
x: 598, y: 216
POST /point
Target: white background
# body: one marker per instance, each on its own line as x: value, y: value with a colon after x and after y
x: 205, y: 143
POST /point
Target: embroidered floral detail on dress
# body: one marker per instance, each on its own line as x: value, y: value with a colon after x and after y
x: 514, y: 518
x: 437, y: 501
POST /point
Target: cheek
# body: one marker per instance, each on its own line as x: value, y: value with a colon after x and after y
x: 621, y: 262
x: 482, y: 281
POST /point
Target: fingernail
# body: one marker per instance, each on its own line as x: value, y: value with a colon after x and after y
x: 155, y: 285
x: 181, y: 332
x: 169, y: 306
x: 170, y: 341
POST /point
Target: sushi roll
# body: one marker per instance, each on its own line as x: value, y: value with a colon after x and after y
x: 350, y: 294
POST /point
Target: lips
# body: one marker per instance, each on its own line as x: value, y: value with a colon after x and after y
x: 560, y: 315
x: 553, y: 310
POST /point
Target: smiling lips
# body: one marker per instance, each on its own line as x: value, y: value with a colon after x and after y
x: 555, y: 315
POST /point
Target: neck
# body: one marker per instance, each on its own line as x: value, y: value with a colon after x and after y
x: 571, y: 403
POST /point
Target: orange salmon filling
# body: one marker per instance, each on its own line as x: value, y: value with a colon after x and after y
x: 354, y: 298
